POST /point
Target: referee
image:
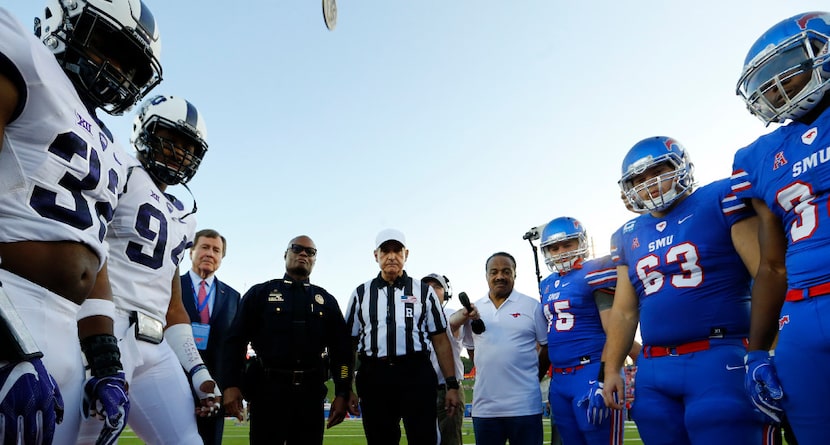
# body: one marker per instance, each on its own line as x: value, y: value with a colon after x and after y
x: 393, y: 318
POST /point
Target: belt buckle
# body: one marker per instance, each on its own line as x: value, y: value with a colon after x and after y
x: 296, y: 378
x: 672, y: 352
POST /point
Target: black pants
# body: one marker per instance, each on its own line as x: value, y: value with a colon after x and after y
x: 211, y: 428
x: 391, y: 391
x: 284, y: 413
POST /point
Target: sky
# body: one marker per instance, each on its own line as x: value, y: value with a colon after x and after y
x: 461, y: 123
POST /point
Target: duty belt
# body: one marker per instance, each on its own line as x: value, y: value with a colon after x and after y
x: 294, y: 377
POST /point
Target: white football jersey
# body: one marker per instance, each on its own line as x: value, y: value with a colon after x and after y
x: 147, y: 239
x: 60, y: 170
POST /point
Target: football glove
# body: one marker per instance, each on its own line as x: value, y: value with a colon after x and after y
x: 106, y: 398
x: 30, y: 403
x: 593, y: 401
x: 762, y: 384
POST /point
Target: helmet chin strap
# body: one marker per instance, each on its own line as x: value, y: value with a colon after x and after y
x: 194, y: 201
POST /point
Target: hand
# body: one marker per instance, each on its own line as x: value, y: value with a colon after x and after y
x: 210, y: 399
x: 354, y: 404
x: 452, y: 401
x: 762, y: 384
x: 29, y: 398
x: 106, y: 398
x: 233, y: 402
x: 337, y: 412
x: 612, y: 390
x: 597, y: 412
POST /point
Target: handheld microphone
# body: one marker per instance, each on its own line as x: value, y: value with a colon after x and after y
x: 477, y: 325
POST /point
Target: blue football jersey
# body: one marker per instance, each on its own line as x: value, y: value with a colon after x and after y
x: 575, y: 332
x: 689, y: 279
x: 788, y: 169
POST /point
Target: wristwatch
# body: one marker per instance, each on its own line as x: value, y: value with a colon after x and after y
x: 452, y: 382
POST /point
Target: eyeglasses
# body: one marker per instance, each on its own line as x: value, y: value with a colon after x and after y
x: 310, y: 251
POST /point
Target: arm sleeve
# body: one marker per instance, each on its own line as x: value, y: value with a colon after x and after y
x: 232, y: 359
x: 339, y: 344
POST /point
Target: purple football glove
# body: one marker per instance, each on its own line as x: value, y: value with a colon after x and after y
x: 30, y: 403
x: 762, y: 384
x: 106, y: 398
x: 596, y: 412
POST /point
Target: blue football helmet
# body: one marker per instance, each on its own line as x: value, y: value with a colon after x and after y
x: 110, y: 49
x: 562, y: 229
x: 649, y: 153
x: 787, y: 70
x: 168, y: 161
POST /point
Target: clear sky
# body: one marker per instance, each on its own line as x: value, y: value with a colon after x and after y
x: 462, y: 123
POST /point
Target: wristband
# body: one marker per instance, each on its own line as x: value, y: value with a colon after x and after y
x: 601, y: 374
x: 96, y: 306
x: 452, y: 382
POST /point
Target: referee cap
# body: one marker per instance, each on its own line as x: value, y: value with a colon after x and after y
x: 389, y: 235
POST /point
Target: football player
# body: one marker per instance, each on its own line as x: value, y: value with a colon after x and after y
x: 683, y: 271
x: 785, y: 176
x: 148, y: 236
x: 60, y: 174
x: 576, y: 297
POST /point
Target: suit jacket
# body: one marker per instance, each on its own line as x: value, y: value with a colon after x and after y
x: 225, y: 304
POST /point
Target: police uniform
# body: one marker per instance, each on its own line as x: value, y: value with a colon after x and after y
x: 290, y: 324
x: 396, y: 379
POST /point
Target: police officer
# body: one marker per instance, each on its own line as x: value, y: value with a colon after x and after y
x: 393, y: 318
x: 293, y: 326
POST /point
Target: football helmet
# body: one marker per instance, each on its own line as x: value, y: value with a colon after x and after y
x: 649, y: 153
x: 787, y: 70
x: 110, y: 49
x: 563, y: 229
x: 170, y: 161
x: 443, y: 281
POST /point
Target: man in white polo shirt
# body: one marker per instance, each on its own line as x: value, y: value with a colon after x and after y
x: 507, y: 403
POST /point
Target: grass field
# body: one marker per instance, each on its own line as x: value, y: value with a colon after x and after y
x: 350, y: 432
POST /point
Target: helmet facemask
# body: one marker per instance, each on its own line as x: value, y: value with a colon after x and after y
x: 642, y: 197
x: 168, y: 160
x: 566, y: 261
x: 787, y: 81
x: 107, y: 61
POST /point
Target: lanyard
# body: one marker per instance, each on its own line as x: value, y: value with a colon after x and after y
x: 208, y: 296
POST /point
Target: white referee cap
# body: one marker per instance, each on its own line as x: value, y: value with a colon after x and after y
x: 389, y: 235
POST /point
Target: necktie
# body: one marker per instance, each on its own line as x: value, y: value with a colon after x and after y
x: 204, y: 314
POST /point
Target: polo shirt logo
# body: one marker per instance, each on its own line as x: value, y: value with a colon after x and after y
x: 515, y: 315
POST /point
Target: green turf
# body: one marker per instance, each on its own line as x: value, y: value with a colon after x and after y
x: 350, y: 432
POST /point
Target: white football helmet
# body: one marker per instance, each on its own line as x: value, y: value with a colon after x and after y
x: 110, y: 49
x: 166, y: 160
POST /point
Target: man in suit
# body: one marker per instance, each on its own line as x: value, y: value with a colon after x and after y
x: 211, y: 306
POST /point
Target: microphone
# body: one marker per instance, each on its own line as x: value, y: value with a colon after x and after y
x: 477, y: 325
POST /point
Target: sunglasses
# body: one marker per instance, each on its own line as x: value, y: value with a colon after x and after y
x: 296, y: 248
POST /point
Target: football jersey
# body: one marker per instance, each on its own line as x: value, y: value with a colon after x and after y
x: 788, y: 169
x: 60, y: 169
x: 147, y: 240
x: 575, y: 331
x: 689, y: 279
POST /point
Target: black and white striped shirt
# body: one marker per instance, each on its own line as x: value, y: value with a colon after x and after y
x: 396, y: 326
